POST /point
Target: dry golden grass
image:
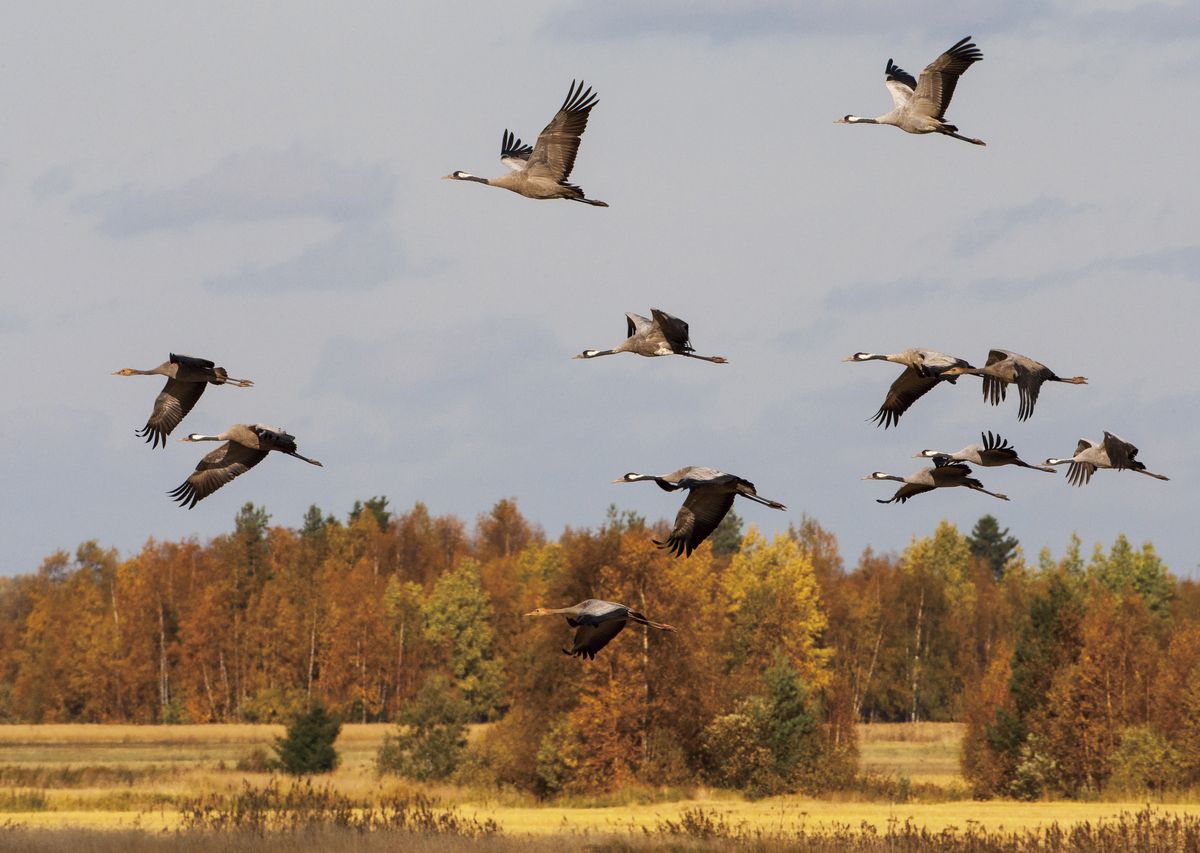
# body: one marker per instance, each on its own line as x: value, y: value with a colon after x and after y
x: 121, y: 777
x: 925, y: 753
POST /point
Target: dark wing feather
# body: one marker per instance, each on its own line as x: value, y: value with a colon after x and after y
x: 673, y: 329
x: 1080, y: 473
x: 909, y: 387
x: 697, y: 518
x: 192, y: 361
x: 1029, y: 383
x: 554, y: 154
x: 905, y: 492
x: 511, y: 148
x: 170, y: 407
x: 227, y: 462
x: 936, y: 86
x: 591, y: 638
x: 1120, y: 452
x: 996, y: 450
x: 895, y: 72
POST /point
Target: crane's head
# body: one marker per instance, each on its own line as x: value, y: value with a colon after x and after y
x: 633, y: 477
x: 460, y: 175
x: 538, y: 611
x: 878, y: 475
x: 929, y: 454
x: 862, y: 356
x: 588, y: 353
x: 956, y: 371
x: 854, y: 120
x: 125, y: 371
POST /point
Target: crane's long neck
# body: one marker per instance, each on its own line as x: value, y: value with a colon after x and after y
x: 195, y: 436
x: 133, y: 371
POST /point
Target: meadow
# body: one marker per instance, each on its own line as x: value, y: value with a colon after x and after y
x: 80, y: 786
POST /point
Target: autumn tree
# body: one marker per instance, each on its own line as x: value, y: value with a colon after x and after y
x: 458, y: 619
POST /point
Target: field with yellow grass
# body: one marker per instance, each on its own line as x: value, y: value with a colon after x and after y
x: 121, y: 778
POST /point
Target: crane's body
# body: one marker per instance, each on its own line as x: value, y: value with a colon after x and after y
x: 541, y: 171
x: 245, y: 446
x: 187, y: 377
x: 920, y: 106
x: 662, y: 335
x: 1111, y: 452
x: 994, y: 451
x: 596, y: 622
x: 923, y: 370
x: 710, y: 497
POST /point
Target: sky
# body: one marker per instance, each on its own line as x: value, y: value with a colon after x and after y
x: 258, y: 184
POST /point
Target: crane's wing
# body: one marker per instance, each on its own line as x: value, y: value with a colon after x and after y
x: 697, y: 518
x: 909, y: 387
x: 905, y: 492
x: 1080, y: 473
x: 1121, y: 454
x: 192, y: 361
x: 949, y: 473
x: 997, y: 448
x: 636, y: 323
x: 1029, y: 384
x: 936, y: 86
x: 674, y: 330
x: 171, y: 405
x: 554, y: 154
x: 591, y: 638
x: 217, y: 468
x: 513, y: 152
x: 899, y: 82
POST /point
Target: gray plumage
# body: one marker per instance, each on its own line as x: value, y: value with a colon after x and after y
x: 993, y: 452
x: 923, y: 370
x: 187, y: 378
x: 596, y: 622
x: 943, y: 475
x: 1112, y: 452
x: 541, y: 171
x: 710, y: 496
x: 245, y: 446
x: 1004, y: 368
x: 662, y: 335
x: 920, y: 106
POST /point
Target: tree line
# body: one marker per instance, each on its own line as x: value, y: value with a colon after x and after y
x: 1071, y: 673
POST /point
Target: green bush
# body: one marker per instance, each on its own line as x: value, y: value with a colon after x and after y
x: 1143, y: 762
x: 308, y: 745
x: 433, y: 736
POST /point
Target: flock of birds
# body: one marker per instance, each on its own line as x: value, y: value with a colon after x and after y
x: 542, y: 171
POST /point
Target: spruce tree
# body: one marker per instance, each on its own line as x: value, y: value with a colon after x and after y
x: 308, y: 745
x: 988, y: 542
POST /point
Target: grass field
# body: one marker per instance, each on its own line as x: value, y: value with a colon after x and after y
x: 119, y: 777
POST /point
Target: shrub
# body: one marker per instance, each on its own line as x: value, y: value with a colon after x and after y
x: 1036, y: 771
x: 431, y: 746
x: 308, y: 745
x: 1144, y: 761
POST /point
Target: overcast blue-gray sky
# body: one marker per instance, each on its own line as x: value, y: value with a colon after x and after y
x: 259, y: 184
